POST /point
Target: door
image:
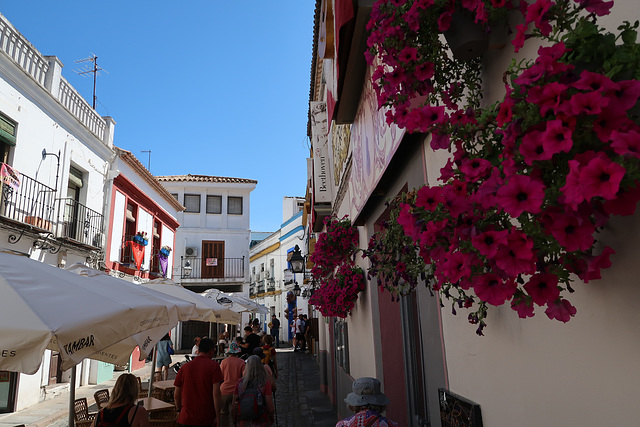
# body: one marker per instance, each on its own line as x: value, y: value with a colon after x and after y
x: 8, y: 384
x: 212, y: 259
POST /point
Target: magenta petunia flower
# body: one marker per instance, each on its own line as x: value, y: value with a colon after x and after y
x: 457, y: 265
x: 598, y: 7
x: 475, y: 168
x: 537, y: 13
x: 456, y: 202
x: 543, y: 288
x: 590, y: 81
x: 408, y: 222
x: 486, y: 194
x: 517, y: 256
x: 590, y: 103
x: 523, y: 306
x: 491, y: 289
x: 561, y: 310
x: 626, y: 93
x: 626, y: 143
x: 520, y: 194
x: 601, y: 178
x: 595, y: 264
x: 556, y: 138
x: 505, y: 112
x: 625, y: 204
x: 571, y: 190
x: 572, y: 231
x: 550, y: 97
x: 519, y: 39
x: 487, y: 243
x: 532, y: 148
x: 429, y: 198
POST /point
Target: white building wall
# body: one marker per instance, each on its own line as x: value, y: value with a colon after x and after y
x: 119, y: 212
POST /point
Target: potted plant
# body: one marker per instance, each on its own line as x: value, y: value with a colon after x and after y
x: 165, y: 250
x: 141, y: 238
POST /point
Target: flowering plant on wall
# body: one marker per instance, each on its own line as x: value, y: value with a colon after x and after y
x: 394, y: 258
x: 533, y: 178
x: 165, y: 250
x: 333, y: 268
x: 428, y: 87
x: 337, y: 295
x: 334, y: 246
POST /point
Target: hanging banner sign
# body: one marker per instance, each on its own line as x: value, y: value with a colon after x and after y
x: 10, y: 176
x: 322, y: 184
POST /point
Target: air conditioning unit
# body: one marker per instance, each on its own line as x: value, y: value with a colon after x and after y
x: 191, y: 251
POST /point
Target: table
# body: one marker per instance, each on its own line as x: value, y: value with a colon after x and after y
x: 164, y: 385
x: 151, y: 404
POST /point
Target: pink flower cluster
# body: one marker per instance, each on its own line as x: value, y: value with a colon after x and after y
x: 532, y: 179
x: 334, y: 246
x: 340, y: 282
x: 337, y: 296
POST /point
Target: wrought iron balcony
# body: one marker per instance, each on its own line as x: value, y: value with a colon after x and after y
x: 212, y: 268
x: 28, y: 202
x: 79, y: 223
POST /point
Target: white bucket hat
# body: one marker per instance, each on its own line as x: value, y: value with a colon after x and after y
x: 366, y: 391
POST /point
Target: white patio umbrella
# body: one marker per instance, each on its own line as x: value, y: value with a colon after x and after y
x: 235, y: 302
x: 46, y: 307
x: 119, y: 353
x: 208, y: 309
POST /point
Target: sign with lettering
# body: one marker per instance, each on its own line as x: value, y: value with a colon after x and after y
x: 212, y: 262
x: 322, y: 184
x: 10, y: 176
x: 456, y: 411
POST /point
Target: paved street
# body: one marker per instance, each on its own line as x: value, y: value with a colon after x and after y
x: 299, y: 403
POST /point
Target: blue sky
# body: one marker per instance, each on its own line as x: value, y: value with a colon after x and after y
x: 211, y: 87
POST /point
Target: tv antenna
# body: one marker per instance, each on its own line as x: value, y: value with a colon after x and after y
x: 148, y: 164
x: 87, y: 68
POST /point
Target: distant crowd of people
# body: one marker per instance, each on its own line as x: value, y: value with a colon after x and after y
x: 239, y: 391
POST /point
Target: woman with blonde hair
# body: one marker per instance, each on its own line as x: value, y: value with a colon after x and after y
x: 121, y: 408
x: 255, y: 377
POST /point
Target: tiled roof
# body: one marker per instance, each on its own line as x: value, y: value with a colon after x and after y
x: 205, y: 178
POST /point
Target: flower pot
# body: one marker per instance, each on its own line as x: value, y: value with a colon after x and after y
x: 466, y: 39
x: 164, y: 252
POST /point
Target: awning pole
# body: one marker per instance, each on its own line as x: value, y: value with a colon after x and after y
x: 72, y: 397
x: 153, y: 368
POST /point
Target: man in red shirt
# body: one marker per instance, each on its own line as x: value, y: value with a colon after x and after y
x: 197, y: 392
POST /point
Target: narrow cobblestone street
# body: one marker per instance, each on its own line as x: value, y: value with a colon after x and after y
x: 299, y: 402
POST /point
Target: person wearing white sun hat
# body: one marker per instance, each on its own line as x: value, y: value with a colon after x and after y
x: 368, y: 403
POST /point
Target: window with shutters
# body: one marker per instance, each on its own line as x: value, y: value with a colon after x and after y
x: 192, y: 203
x: 234, y: 205
x: 214, y: 204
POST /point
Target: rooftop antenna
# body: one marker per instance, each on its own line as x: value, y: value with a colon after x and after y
x: 86, y: 69
x: 149, y: 161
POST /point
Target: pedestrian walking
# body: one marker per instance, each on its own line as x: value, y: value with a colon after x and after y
x: 275, y: 330
x: 163, y: 359
x: 368, y: 403
x: 232, y: 369
x: 255, y: 382
x: 197, y: 388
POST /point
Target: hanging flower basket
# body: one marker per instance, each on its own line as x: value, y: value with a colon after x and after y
x: 165, y: 250
x: 338, y: 295
x: 141, y: 238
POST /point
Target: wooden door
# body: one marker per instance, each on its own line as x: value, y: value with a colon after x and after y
x: 212, y: 259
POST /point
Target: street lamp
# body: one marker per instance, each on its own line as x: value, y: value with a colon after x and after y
x: 297, y: 290
x: 297, y: 261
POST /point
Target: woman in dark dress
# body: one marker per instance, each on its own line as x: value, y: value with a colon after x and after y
x: 121, y: 408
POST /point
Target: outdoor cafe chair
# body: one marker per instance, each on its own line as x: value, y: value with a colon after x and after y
x: 101, y: 397
x: 142, y: 392
x: 82, y: 416
x: 167, y: 418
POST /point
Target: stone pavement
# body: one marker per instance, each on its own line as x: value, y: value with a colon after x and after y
x: 299, y: 402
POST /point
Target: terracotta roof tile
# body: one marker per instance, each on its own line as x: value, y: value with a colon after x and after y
x: 205, y: 178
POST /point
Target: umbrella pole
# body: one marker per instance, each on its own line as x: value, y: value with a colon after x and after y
x: 153, y: 367
x: 72, y: 396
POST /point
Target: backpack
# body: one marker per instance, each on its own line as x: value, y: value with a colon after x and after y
x: 100, y: 422
x: 250, y: 404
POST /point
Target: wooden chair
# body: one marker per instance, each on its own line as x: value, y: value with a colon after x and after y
x: 142, y: 392
x: 167, y: 418
x: 81, y: 413
x: 157, y: 376
x: 101, y: 397
x: 168, y: 395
